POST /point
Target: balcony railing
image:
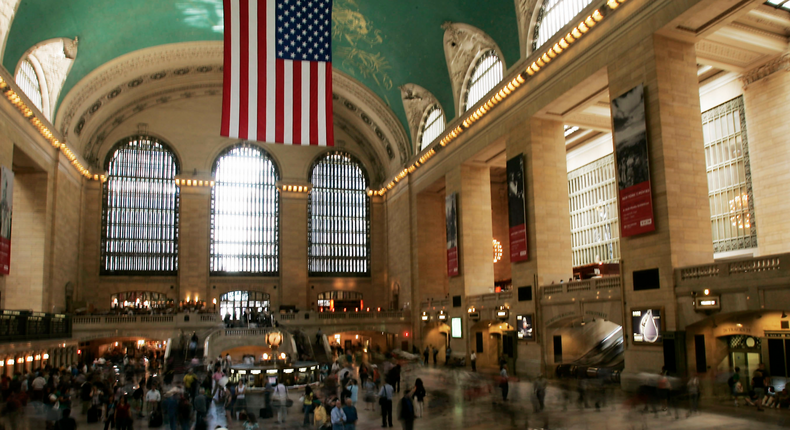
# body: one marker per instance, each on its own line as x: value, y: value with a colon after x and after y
x: 739, y: 272
x: 581, y: 287
x: 94, y: 322
x: 26, y: 325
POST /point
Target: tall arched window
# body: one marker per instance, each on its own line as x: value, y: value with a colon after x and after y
x: 27, y: 79
x: 140, y: 217
x: 245, y: 213
x: 552, y: 16
x: 486, y: 74
x: 339, y: 217
x: 432, y: 127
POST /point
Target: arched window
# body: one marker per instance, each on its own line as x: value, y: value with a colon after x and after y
x: 27, y: 79
x: 486, y: 74
x: 432, y: 127
x: 339, y: 217
x: 140, y: 222
x: 245, y: 205
x: 139, y: 300
x: 552, y: 16
x: 236, y: 302
x: 347, y: 301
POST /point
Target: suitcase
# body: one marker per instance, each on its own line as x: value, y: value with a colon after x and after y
x: 155, y: 420
x: 94, y: 414
x: 266, y: 413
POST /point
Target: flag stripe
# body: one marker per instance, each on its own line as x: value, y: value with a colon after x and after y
x: 271, y: 60
x: 244, y: 67
x: 226, y: 76
x: 313, y: 103
x: 321, y: 104
x: 279, y: 103
x: 252, y: 72
x: 288, y: 105
x: 263, y: 77
x: 233, y: 130
x: 297, y: 101
x: 305, y: 114
x: 330, y: 127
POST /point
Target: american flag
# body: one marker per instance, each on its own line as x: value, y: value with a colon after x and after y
x: 278, y: 71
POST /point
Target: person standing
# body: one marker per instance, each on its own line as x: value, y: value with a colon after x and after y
x: 419, y: 394
x: 171, y: 408
x: 307, y: 405
x: 351, y: 415
x: 152, y: 399
x: 354, y: 389
x: 241, y: 400
x: 385, y: 400
x: 201, y: 406
x: 693, y: 390
x: 540, y: 391
x: 185, y: 414
x: 123, y: 415
x: 733, y: 382
x: 281, y: 395
x: 435, y: 353
x: 338, y: 416
x: 758, y: 385
x: 473, y: 360
x: 322, y: 420
x: 503, y: 382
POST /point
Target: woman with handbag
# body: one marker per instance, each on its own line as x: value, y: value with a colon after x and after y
x: 307, y: 405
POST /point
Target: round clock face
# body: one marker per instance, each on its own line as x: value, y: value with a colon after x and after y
x: 750, y: 342
x: 274, y: 338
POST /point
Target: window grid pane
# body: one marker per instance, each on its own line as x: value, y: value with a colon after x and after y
x: 485, y: 76
x: 245, y: 213
x: 140, y: 217
x: 236, y: 303
x: 595, y: 228
x: 729, y: 177
x: 339, y: 217
x: 553, y: 15
x: 28, y: 82
x: 432, y: 128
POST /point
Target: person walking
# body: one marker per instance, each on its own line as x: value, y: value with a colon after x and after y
x: 351, y: 415
x: 406, y: 410
x: 473, y: 360
x: 692, y: 386
x: 185, y: 414
x: 758, y: 385
x: 200, y: 403
x: 281, y: 395
x: 540, y: 391
x: 123, y: 414
x: 425, y: 355
x: 385, y: 400
x: 241, y: 400
x: 322, y: 419
x: 338, y: 417
x: 370, y: 394
x: 435, y: 353
x: 307, y: 405
x: 67, y: 422
x: 171, y: 409
x: 152, y: 399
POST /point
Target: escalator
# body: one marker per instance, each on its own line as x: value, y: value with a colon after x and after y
x: 605, y: 360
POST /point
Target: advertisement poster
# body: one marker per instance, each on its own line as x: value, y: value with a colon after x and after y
x: 647, y: 325
x: 524, y: 327
x: 451, y: 217
x: 517, y: 212
x: 633, y: 163
x: 6, y: 199
x: 457, y: 328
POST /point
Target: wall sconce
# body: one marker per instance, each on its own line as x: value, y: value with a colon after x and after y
x: 442, y: 315
x: 424, y: 317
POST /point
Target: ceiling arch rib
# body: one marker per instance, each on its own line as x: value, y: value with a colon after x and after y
x: 416, y: 101
x: 53, y: 59
x: 117, y: 91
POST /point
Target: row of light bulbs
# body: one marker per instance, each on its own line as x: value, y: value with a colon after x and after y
x: 42, y: 128
x: 558, y: 48
x: 29, y: 359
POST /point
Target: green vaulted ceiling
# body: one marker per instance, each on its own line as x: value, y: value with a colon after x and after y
x: 382, y: 43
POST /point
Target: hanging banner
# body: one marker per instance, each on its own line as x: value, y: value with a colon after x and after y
x: 451, y: 217
x: 517, y: 210
x: 633, y: 163
x: 6, y: 200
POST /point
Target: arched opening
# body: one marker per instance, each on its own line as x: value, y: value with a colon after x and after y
x: 340, y: 301
x: 243, y: 305
x: 139, y: 300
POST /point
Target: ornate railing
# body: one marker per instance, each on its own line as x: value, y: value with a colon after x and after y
x: 750, y: 269
x: 577, y: 287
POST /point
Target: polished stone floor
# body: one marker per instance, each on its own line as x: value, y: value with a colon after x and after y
x: 460, y: 400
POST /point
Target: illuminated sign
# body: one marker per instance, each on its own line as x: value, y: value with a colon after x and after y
x: 646, y: 325
x: 457, y: 328
x: 524, y: 328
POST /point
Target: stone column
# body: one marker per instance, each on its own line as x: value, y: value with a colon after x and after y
x: 472, y: 183
x: 194, y: 245
x: 668, y: 70
x: 767, y: 108
x: 293, y: 288
x: 542, y: 144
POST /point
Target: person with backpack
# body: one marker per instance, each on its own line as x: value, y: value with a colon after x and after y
x: 406, y: 410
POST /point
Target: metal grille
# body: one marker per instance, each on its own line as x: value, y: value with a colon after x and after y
x: 595, y: 231
x: 245, y: 213
x: 432, y: 127
x: 739, y: 342
x: 140, y: 217
x: 553, y: 15
x: 28, y: 82
x: 486, y: 74
x: 729, y: 177
x: 339, y: 217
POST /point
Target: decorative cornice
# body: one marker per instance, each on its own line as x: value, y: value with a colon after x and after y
x: 779, y: 64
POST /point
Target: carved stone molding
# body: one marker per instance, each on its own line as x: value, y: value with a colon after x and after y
x: 777, y: 65
x: 98, y: 83
x: 726, y: 53
x: 416, y: 101
x: 463, y: 44
x: 525, y: 17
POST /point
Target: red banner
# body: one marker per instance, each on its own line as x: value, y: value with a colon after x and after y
x: 636, y: 210
x: 452, y: 262
x: 518, y: 243
x: 451, y: 220
x: 6, y: 209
